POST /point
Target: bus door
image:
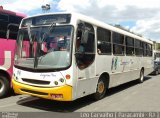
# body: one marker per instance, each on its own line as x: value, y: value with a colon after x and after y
x: 85, y: 59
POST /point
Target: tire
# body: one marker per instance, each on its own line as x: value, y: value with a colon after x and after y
x: 141, y: 77
x: 101, y: 88
x: 4, y: 86
x: 156, y: 72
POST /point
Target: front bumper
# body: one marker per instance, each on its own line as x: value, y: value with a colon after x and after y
x: 62, y: 93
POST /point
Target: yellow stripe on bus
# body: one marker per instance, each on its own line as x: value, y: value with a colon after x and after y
x: 63, y: 93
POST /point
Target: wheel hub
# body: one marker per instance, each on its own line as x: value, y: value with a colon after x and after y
x: 100, y: 87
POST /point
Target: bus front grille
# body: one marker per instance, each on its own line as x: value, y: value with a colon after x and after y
x: 32, y: 81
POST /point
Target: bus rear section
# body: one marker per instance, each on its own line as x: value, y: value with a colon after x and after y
x: 9, y: 21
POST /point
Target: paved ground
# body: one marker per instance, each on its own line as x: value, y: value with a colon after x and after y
x: 129, y: 97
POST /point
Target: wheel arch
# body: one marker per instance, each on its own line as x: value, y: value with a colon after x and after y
x: 6, y: 74
x: 107, y: 77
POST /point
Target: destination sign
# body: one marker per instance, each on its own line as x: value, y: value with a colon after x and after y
x: 47, y: 19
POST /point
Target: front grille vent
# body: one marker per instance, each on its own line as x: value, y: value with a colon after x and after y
x: 33, y: 81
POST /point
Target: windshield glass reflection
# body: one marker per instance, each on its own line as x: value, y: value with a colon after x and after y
x: 44, y: 47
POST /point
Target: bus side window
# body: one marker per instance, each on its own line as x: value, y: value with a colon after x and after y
x: 85, y: 45
x: 103, y: 41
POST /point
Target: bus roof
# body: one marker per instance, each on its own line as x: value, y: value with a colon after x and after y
x: 110, y: 27
x: 95, y: 22
x: 12, y: 13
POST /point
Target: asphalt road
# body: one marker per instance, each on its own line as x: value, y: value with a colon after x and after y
x: 129, y: 97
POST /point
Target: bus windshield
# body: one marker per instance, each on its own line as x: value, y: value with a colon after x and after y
x: 44, y: 47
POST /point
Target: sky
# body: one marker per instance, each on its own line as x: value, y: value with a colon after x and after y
x: 139, y: 16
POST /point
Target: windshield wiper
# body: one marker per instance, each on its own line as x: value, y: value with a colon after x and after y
x: 49, y: 31
x: 31, y: 42
x: 38, y: 48
x: 51, y: 27
x: 43, y: 37
x: 29, y: 33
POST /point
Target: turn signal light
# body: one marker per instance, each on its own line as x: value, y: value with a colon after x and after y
x: 68, y: 76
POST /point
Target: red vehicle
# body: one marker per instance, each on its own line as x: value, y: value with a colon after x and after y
x: 9, y: 24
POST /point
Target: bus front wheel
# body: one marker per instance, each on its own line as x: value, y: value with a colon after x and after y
x: 101, y: 88
x: 4, y: 86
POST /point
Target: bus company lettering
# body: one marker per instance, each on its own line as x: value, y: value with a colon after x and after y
x: 6, y: 63
x: 47, y: 75
x: 114, y: 63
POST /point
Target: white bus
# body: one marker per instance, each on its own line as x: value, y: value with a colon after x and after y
x: 65, y: 56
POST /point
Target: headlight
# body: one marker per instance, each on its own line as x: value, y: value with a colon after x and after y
x: 56, y: 83
x: 61, y: 80
x: 15, y: 78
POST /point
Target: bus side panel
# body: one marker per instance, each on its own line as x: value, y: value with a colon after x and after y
x: 148, y: 65
x: 86, y: 80
x: 7, y: 54
x: 86, y: 86
x: 123, y: 69
x: 121, y: 78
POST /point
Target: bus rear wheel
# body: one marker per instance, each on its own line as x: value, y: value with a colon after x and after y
x: 101, y: 89
x: 4, y: 86
x: 157, y: 71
